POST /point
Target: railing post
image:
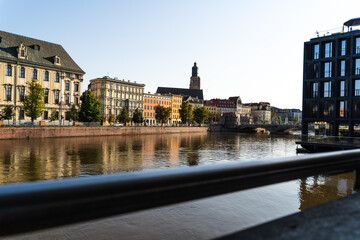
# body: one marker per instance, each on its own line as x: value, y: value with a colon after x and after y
x: 357, y: 179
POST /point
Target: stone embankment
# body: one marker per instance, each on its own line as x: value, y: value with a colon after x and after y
x: 49, y: 132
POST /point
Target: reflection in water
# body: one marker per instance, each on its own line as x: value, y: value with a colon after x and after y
x: 38, y: 159
x: 319, y: 189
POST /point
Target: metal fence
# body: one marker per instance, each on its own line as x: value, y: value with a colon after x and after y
x: 38, y: 205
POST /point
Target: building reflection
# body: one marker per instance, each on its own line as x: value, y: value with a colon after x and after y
x: 43, y: 159
x: 320, y: 189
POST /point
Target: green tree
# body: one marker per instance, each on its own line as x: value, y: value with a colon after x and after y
x: 90, y: 108
x: 7, y: 113
x: 201, y: 114
x: 54, y: 115
x: 186, y: 112
x: 124, y: 116
x: 137, y: 116
x: 162, y: 114
x: 296, y: 119
x: 280, y: 121
x: 74, y: 113
x: 33, y: 103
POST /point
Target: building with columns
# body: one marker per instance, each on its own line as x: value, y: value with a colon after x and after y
x: 23, y: 59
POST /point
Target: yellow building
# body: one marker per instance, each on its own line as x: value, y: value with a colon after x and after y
x: 23, y: 59
x: 176, y: 101
x: 115, y: 94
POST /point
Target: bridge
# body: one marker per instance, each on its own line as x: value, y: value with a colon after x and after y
x: 272, y: 128
x: 246, y: 128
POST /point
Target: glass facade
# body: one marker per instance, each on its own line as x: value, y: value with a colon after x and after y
x: 327, y: 69
x: 343, y: 48
x: 327, y: 89
x: 342, y: 68
x: 357, y: 47
x: 316, y: 51
x: 342, y: 89
x: 328, y: 50
x: 357, y: 88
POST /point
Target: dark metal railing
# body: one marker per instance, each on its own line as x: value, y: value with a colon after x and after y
x: 38, y: 205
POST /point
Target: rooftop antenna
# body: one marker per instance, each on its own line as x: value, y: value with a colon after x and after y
x: 317, y: 33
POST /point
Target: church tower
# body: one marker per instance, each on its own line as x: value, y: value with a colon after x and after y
x: 195, y: 79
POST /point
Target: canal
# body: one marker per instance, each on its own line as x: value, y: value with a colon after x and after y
x: 57, y: 158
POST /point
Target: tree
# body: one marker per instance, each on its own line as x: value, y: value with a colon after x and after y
x: 162, y: 114
x: 90, y: 108
x: 280, y: 121
x: 124, y: 116
x: 186, y: 112
x: 33, y: 104
x: 7, y: 113
x: 74, y: 113
x: 138, y: 116
x: 201, y: 114
x: 54, y: 115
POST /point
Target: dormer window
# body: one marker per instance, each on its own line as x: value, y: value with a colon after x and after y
x: 37, y: 47
x: 57, y: 60
x: 22, y: 52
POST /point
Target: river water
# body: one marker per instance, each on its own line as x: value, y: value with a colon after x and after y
x: 56, y: 158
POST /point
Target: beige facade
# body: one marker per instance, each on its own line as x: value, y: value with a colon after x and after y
x: 45, y: 62
x: 176, y: 101
x: 115, y: 94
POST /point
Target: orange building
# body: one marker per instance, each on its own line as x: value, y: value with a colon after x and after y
x: 150, y: 102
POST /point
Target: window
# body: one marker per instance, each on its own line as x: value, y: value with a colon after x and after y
x: 102, y: 93
x: 357, y: 88
x: 22, y: 72
x: 22, y: 94
x: 327, y: 69
x: 34, y: 74
x: 57, y: 97
x: 57, y: 77
x: 327, y: 89
x: 357, y: 47
x: 342, y: 68
x: 343, y: 48
x: 68, y: 75
x: 67, y: 86
x: 342, y: 109
x: 76, y: 101
x: 57, y: 60
x: 46, y: 96
x: 8, y: 93
x: 22, y: 53
x: 342, y: 89
x: 9, y: 70
x: 46, y: 115
x: 357, y: 66
x: 46, y: 77
x: 328, y: 49
x: 67, y: 100
x: 76, y: 87
x: 21, y: 115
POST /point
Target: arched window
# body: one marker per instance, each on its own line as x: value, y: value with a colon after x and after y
x: 57, y: 78
x: 9, y: 70
x: 46, y: 76
x: 35, y: 74
x: 22, y: 72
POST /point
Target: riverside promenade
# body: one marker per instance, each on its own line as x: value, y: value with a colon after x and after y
x: 82, y: 131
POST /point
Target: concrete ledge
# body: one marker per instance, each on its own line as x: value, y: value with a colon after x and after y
x: 338, y: 219
x: 76, y: 131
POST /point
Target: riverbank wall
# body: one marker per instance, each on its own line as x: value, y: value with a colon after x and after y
x: 79, y: 131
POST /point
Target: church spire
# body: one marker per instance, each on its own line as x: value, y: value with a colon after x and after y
x: 195, y: 79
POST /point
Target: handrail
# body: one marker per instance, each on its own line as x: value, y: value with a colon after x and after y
x: 38, y: 205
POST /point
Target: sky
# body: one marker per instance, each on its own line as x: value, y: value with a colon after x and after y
x: 252, y: 49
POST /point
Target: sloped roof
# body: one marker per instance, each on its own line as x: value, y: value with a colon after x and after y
x: 198, y: 93
x: 9, y: 43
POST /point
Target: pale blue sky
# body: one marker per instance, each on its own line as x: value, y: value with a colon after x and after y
x: 249, y: 48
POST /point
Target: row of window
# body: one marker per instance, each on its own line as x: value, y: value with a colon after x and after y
x: 157, y: 101
x: 327, y: 69
x: 119, y: 88
x: 327, y: 89
x: 34, y: 74
x: 8, y: 96
x: 327, y: 109
x: 328, y: 49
